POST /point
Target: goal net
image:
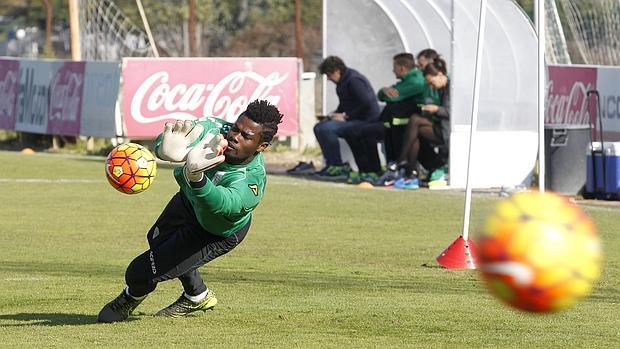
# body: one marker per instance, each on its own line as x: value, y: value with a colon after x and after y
x: 594, y: 26
x: 556, y: 49
x: 107, y: 34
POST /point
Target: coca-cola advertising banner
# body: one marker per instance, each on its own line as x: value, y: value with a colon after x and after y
x: 567, y: 90
x: 156, y: 91
x: 567, y: 97
x: 59, y: 97
x: 9, y: 85
x: 65, y: 103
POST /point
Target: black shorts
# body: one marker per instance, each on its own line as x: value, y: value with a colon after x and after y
x: 179, y: 244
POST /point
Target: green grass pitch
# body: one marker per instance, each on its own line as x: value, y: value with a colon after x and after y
x: 324, y: 266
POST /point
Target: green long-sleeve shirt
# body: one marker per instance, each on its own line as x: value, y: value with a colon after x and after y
x: 410, y: 84
x: 223, y: 202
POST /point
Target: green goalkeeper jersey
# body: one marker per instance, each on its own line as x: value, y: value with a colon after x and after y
x: 224, y: 202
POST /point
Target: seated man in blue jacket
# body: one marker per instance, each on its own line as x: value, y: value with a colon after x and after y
x: 357, y: 106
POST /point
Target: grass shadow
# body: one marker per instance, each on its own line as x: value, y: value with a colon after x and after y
x: 51, y: 319
x: 432, y: 265
x: 48, y: 319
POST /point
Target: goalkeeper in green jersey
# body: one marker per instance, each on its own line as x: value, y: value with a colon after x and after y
x: 221, y: 175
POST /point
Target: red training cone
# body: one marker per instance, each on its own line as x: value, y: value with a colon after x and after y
x: 460, y: 254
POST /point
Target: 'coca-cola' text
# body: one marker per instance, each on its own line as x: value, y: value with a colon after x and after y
x: 157, y: 99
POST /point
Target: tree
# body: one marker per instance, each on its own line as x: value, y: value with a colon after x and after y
x: 528, y: 7
x: 231, y: 28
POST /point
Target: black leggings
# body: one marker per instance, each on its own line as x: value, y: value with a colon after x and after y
x: 418, y: 131
x: 178, y: 247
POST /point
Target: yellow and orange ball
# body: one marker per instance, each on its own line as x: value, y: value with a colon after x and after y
x: 130, y: 168
x: 539, y: 252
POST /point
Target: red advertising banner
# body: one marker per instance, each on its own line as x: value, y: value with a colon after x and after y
x: 567, y: 94
x: 156, y: 91
x: 66, y: 89
x: 9, y: 87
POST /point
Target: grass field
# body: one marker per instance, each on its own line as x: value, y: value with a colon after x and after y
x: 324, y: 266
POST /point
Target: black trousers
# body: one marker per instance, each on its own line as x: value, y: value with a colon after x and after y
x: 363, y: 142
x: 394, y: 140
x: 178, y: 247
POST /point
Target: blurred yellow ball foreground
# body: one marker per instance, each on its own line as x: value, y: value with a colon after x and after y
x: 539, y: 252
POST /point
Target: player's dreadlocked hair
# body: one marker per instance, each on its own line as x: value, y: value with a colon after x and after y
x: 266, y: 115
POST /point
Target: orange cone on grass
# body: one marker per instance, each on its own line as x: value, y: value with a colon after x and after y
x: 461, y: 254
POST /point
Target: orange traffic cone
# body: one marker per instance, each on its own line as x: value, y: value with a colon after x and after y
x: 460, y: 254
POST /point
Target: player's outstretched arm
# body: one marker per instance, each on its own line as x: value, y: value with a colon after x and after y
x: 177, y: 138
x: 208, y: 153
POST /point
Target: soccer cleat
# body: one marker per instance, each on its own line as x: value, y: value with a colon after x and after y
x: 354, y: 178
x: 407, y: 183
x: 302, y: 168
x: 334, y: 172
x: 370, y: 177
x: 184, y: 306
x: 118, y: 309
x: 388, y: 178
x: 321, y: 172
x: 440, y: 174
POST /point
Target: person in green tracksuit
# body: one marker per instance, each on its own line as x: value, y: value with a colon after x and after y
x: 221, y: 175
x: 401, y: 101
x: 432, y: 128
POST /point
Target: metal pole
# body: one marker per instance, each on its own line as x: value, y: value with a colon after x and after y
x: 147, y: 28
x: 474, y: 115
x: 299, y: 46
x: 74, y: 24
x: 540, y: 29
x: 47, y: 50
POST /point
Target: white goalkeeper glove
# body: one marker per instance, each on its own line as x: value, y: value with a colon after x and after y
x: 208, y: 153
x: 177, y: 138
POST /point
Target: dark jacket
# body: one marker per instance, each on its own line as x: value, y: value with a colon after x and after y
x: 443, y: 114
x: 356, y: 97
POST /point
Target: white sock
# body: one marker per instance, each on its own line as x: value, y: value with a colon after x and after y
x: 134, y: 297
x: 197, y: 298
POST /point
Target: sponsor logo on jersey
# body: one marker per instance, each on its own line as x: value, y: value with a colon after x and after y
x: 254, y: 188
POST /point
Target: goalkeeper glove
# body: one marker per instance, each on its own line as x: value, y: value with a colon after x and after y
x: 177, y: 138
x: 208, y: 153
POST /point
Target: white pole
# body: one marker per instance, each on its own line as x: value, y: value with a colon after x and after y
x: 540, y: 29
x: 323, y: 77
x: 474, y: 115
x: 147, y: 28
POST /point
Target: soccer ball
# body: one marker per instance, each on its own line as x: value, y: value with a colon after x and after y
x: 130, y: 168
x: 539, y: 252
